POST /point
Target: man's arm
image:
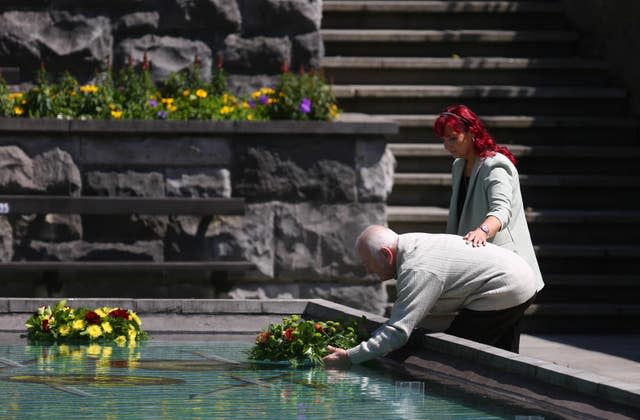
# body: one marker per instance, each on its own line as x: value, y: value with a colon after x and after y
x: 418, y: 291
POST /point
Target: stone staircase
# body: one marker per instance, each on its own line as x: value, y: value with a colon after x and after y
x: 517, y: 64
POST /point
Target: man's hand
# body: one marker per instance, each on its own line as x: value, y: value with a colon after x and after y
x: 336, y: 359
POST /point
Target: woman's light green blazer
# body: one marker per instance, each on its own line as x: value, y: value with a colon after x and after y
x: 493, y: 190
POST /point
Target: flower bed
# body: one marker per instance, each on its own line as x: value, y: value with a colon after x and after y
x: 184, y: 95
x: 63, y: 323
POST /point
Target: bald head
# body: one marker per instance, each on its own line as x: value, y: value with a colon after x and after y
x: 377, y: 246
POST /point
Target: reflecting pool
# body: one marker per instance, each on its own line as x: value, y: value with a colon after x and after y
x: 212, y: 380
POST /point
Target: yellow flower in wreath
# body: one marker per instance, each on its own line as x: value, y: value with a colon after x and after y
x: 64, y: 330
x: 106, y: 327
x: 135, y: 317
x: 120, y: 340
x: 94, y: 331
x: 132, y: 333
x: 78, y: 324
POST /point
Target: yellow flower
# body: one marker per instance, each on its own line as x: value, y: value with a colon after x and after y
x: 186, y: 92
x: 63, y: 349
x: 100, y: 312
x: 134, y: 316
x: 120, y: 340
x: 78, y: 324
x: 333, y: 110
x: 167, y: 101
x: 94, y: 331
x: 88, y: 89
x: 267, y: 91
x: 94, y: 349
x: 117, y: 115
x: 229, y: 99
x: 249, y: 117
x: 132, y: 333
x: 15, y: 95
x: 226, y: 110
x: 106, y: 327
x: 201, y: 93
x: 18, y: 111
x: 64, y: 330
x: 245, y: 105
x: 171, y: 107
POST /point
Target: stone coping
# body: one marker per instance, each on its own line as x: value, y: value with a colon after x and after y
x: 346, y: 124
x: 173, y: 315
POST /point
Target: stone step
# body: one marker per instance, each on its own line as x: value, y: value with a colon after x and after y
x: 530, y: 129
x: 448, y: 43
x: 603, y: 288
x: 558, y: 159
x: 569, y: 318
x: 483, y: 99
x: 569, y: 288
x: 539, y: 191
x: 582, y: 318
x: 469, y: 70
x: 547, y: 226
x: 442, y: 14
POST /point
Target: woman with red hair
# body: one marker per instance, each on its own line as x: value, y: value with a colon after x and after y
x: 486, y: 202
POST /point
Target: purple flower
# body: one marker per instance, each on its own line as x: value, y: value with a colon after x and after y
x: 252, y: 103
x: 305, y: 106
x: 152, y: 103
x: 263, y: 99
x: 162, y: 114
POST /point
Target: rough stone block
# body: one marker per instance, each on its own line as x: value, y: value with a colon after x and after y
x: 316, y: 242
x: 166, y: 54
x: 16, y: 172
x: 375, y: 167
x: 255, y: 55
x: 280, y: 16
x: 248, y: 237
x: 6, y: 240
x: 200, y: 183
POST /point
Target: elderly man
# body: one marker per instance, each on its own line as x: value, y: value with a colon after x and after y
x: 490, y: 287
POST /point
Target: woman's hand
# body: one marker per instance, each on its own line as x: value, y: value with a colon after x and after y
x: 336, y: 359
x: 476, y: 238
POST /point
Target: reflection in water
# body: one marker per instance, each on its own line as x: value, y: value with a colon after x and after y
x: 99, y: 380
x: 187, y: 380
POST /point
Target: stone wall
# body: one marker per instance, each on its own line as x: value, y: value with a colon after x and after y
x: 310, y: 187
x: 610, y: 30
x: 253, y: 37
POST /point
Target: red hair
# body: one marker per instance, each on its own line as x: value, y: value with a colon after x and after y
x: 460, y: 119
